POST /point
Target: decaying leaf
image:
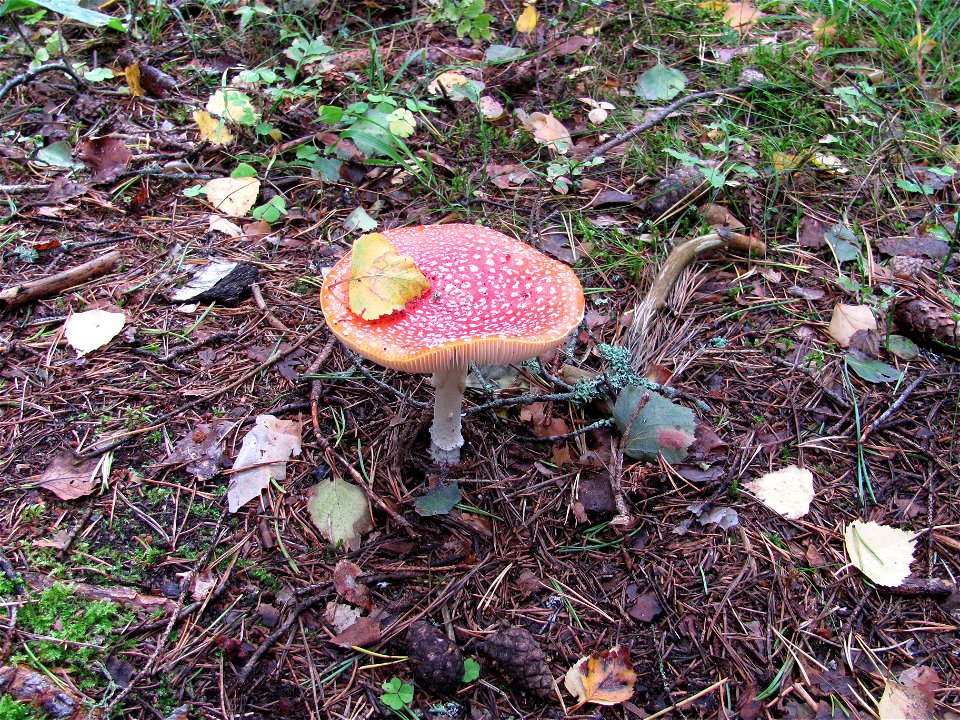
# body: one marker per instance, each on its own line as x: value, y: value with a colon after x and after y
x: 345, y: 575
x: 233, y: 196
x: 69, y: 478
x: 787, y: 491
x: 455, y: 86
x: 439, y: 500
x: 203, y: 279
x: 218, y: 223
x: 360, y: 219
x: 913, y: 698
x: 506, y: 177
x: 490, y: 109
x: 213, y: 130
x: 382, y: 281
x: 881, y: 552
x: 741, y: 15
x: 339, y: 510
x: 606, y: 678
x: 659, y: 427
x: 92, y: 329
x: 548, y: 130
x: 201, y: 449
x: 848, y: 320
x: 262, y: 456
x: 107, y: 157
x: 341, y: 616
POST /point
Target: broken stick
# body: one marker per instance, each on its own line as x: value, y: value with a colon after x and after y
x: 18, y: 295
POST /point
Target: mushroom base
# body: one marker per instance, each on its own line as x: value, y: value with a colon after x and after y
x: 445, y: 435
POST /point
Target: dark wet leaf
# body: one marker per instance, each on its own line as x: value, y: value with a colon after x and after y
x: 646, y: 608
x: 923, y: 246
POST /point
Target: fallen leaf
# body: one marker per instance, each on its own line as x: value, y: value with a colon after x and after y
x: 723, y: 517
x: 233, y: 196
x: 507, y: 177
x: 382, y: 281
x: 823, y: 29
x: 490, y: 109
x: 132, y: 74
x: 873, y: 371
x: 606, y: 678
x: 548, y: 130
x: 213, y: 130
x: 718, y: 216
x: 659, y: 427
x: 455, y: 86
x: 646, y: 608
x: 233, y: 105
x: 787, y: 491
x: 339, y: 510
x: 527, y: 21
x: 220, y: 224
x: 201, y: 449
x: 365, y: 631
x: 881, y: 552
x: 345, y: 575
x: 90, y: 330
x: 849, y: 319
x: 262, y: 457
x: 902, y: 347
x: 341, y: 616
x: 902, y: 703
x: 660, y: 83
x: 107, y: 157
x: 496, y: 54
x: 741, y: 15
x: 439, y: 500
x: 844, y: 242
x: 69, y: 478
x: 359, y: 219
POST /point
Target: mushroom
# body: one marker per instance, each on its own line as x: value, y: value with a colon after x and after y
x: 492, y: 300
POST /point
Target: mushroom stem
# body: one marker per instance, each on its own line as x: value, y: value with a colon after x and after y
x: 447, y: 412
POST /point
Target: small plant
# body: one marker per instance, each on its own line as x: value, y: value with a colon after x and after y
x: 468, y: 16
x: 471, y: 670
x: 562, y: 175
x: 397, y: 695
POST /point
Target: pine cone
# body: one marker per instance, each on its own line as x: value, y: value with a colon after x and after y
x: 675, y: 191
x: 436, y: 661
x: 519, y: 658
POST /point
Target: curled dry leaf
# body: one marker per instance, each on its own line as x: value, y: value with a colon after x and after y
x: 548, y: 130
x: 69, y: 478
x: 606, y: 678
x: 848, y: 320
x: 787, y: 491
x: 881, y: 552
x: 263, y: 456
x: 90, y: 330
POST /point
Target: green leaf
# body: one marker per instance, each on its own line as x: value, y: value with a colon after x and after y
x: 331, y: 114
x: 497, y: 54
x: 438, y: 501
x: 195, y: 191
x: 58, y: 154
x: 845, y: 243
x: 68, y: 9
x: 340, y: 512
x: 328, y: 168
x: 660, y: 83
x: 659, y: 427
x: 471, y: 670
x: 873, y: 371
x: 902, y: 347
x: 244, y: 170
x: 913, y: 187
x: 98, y: 74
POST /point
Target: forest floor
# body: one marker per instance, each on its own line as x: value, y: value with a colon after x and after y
x: 128, y: 589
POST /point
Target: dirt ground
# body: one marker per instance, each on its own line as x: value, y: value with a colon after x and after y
x: 727, y: 608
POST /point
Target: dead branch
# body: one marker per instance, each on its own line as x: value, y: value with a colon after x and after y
x: 18, y: 295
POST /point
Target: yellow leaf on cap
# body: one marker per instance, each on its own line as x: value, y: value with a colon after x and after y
x: 382, y: 281
x: 527, y: 20
x: 233, y: 196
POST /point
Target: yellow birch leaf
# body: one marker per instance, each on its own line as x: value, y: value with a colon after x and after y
x: 382, y: 281
x: 233, y: 196
x: 212, y: 129
x: 132, y: 73
x: 527, y: 20
x: 824, y: 29
x: 741, y: 15
x: 606, y: 678
x: 924, y: 43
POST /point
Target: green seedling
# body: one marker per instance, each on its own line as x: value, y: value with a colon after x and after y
x: 397, y: 695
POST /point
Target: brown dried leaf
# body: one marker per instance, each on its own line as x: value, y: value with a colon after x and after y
x: 345, y: 576
x: 606, y: 678
x: 365, y: 631
x: 106, y: 157
x: 69, y: 478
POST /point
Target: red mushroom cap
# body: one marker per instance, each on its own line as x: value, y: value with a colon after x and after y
x: 492, y: 300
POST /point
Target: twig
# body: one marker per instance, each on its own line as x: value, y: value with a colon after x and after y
x: 29, y: 75
x: 523, y: 400
x: 660, y: 116
x: 897, y: 404
x: 261, y: 303
x: 17, y: 295
x: 606, y: 422
x: 278, y: 633
x: 379, y: 383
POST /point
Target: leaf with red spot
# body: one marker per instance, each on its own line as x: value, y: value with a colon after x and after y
x: 653, y: 425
